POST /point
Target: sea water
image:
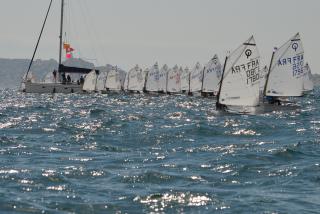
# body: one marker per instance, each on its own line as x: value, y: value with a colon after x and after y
x: 129, y: 153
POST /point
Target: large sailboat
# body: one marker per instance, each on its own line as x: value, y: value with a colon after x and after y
x: 239, y: 87
x: 60, y: 83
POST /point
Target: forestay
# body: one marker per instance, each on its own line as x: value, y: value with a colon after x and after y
x: 152, y: 80
x: 286, y: 70
x: 115, y: 80
x: 240, y: 81
x: 212, y: 76
x: 136, y: 79
x: 163, y: 79
x: 90, y: 81
x: 196, y: 77
x: 174, y: 83
x: 101, y: 81
x: 184, y: 78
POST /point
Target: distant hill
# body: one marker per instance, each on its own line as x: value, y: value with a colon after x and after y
x: 12, y: 70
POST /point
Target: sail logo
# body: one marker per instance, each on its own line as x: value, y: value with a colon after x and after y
x: 248, y: 53
x: 295, y: 46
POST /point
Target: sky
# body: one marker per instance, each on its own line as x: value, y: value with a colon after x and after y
x: 183, y: 32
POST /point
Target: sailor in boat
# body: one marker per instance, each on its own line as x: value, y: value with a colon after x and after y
x: 273, y: 100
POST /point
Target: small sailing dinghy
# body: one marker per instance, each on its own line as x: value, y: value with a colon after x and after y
x: 152, y: 79
x: 90, y: 82
x: 211, y: 77
x: 115, y: 80
x: 61, y: 84
x: 136, y: 80
x: 196, y: 78
x: 285, y: 76
x: 163, y: 79
x: 239, y: 88
x: 173, y: 80
x: 307, y: 79
x: 101, y: 81
x: 184, y: 78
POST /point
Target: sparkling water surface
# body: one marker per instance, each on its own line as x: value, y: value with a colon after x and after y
x: 126, y: 153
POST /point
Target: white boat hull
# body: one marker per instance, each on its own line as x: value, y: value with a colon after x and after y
x: 47, y: 88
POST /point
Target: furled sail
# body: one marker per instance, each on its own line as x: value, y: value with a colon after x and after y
x: 173, y: 82
x: 196, y: 77
x: 90, y: 81
x: 163, y: 79
x: 285, y: 76
x: 212, y: 76
x: 152, y: 79
x: 136, y: 79
x: 240, y: 79
x: 115, y: 80
x: 307, y: 79
x: 101, y: 81
x: 184, y: 78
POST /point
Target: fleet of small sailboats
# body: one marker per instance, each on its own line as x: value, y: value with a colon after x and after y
x: 239, y: 85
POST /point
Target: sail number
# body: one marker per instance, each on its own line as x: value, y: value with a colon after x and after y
x: 251, y: 69
x: 296, y: 62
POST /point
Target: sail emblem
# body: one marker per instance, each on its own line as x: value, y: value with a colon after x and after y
x: 215, y: 60
x: 295, y: 46
x: 248, y: 53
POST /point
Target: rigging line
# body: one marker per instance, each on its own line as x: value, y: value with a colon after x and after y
x: 87, y: 26
x: 38, y: 42
x: 73, y: 27
x: 97, y: 35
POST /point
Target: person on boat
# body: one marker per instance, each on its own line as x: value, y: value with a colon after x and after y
x: 68, y: 79
x: 54, y: 73
x: 64, y: 79
x: 81, y: 80
x: 273, y: 100
x: 221, y: 106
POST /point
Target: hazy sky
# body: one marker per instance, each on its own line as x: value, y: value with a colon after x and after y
x: 127, y: 32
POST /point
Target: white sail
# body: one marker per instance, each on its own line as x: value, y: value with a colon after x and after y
x: 173, y: 81
x: 212, y: 76
x: 152, y: 81
x: 240, y: 81
x: 101, y: 81
x: 163, y: 78
x: 184, y: 79
x: 136, y: 79
x: 115, y: 80
x: 49, y: 78
x: 263, y: 78
x: 90, y: 81
x: 286, y: 73
x: 307, y: 79
x: 196, y: 77
x: 126, y: 82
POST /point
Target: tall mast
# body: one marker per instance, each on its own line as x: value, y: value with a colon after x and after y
x: 268, y: 75
x: 61, y: 32
x: 224, y: 68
